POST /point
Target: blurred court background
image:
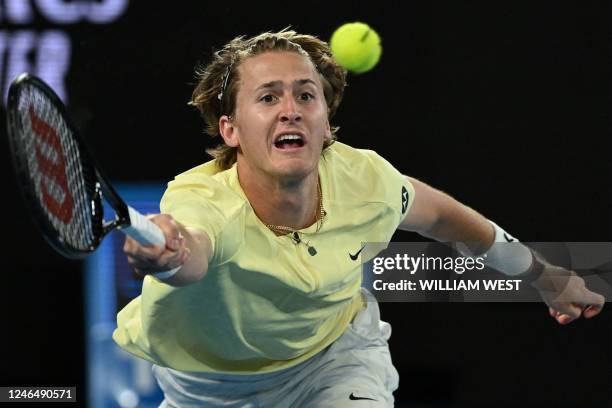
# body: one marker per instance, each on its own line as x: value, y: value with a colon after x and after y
x: 505, y: 105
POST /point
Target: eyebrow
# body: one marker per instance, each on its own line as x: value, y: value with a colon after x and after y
x: 278, y: 83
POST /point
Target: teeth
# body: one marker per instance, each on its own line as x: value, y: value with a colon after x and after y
x: 288, y: 137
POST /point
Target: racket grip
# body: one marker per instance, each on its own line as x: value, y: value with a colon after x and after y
x: 143, y: 230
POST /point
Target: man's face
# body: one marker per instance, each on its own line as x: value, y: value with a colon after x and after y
x: 280, y: 120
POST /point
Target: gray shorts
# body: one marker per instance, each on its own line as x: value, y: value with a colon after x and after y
x: 355, y: 371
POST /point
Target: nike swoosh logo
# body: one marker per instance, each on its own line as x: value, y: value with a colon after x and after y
x: 354, y: 257
x: 354, y: 398
x: 508, y: 238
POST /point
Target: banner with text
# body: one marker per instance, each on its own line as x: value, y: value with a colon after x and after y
x: 438, y: 272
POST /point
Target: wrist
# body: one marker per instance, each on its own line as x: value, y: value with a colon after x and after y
x: 165, y: 275
x: 536, y: 269
x: 506, y: 254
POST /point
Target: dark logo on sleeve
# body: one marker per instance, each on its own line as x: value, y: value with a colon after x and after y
x: 404, y: 199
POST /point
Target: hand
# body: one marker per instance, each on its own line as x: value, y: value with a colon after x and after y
x: 152, y: 258
x: 565, y: 293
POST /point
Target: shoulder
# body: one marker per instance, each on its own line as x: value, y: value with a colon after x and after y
x: 362, y: 176
x: 361, y: 168
x: 204, y: 184
x: 340, y: 152
x: 205, y: 198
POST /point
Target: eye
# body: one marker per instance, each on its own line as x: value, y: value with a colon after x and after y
x: 268, y: 98
x: 306, y: 96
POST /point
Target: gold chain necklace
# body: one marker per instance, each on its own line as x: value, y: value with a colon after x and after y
x: 284, y: 230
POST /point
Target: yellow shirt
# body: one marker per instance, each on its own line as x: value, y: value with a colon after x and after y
x: 265, y: 303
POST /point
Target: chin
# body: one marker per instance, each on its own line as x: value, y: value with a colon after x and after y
x: 296, y: 170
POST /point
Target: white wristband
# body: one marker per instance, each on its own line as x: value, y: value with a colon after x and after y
x: 166, y: 274
x: 507, y: 254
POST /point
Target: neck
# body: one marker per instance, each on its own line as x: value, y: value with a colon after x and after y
x: 288, y: 203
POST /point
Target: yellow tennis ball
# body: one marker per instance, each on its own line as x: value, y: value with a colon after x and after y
x: 356, y: 46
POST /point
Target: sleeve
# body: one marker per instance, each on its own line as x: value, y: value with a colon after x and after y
x: 199, y: 201
x: 393, y: 188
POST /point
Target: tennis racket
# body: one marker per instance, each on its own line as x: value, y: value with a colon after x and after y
x: 61, y: 184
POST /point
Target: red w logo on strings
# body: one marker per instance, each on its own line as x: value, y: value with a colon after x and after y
x: 53, y: 170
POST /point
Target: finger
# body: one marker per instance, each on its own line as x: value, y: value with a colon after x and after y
x: 175, y: 243
x: 568, y: 313
x: 142, y: 265
x: 173, y: 258
x: 169, y: 228
x: 144, y: 253
x: 147, y: 262
x: 560, y: 317
x: 592, y: 310
x: 564, y: 319
x: 138, y: 270
x: 592, y: 304
x: 135, y: 248
x: 129, y: 245
x: 186, y: 255
x: 595, y: 299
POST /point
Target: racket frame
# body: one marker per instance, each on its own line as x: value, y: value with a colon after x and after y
x: 97, y: 185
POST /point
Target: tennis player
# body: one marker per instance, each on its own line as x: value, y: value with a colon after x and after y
x: 256, y: 300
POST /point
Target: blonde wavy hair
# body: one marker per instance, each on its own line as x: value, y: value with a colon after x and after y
x: 215, y: 92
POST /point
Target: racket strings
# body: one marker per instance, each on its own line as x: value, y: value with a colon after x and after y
x: 61, y: 183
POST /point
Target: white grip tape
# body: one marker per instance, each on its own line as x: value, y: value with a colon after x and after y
x: 143, y: 230
x: 146, y: 232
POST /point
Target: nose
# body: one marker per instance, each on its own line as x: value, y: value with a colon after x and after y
x: 289, y: 111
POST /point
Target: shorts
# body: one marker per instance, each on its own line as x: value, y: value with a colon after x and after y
x: 354, y: 371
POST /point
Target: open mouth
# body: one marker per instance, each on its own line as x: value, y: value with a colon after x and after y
x: 289, y: 142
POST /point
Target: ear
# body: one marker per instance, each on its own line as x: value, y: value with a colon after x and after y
x: 228, y: 131
x: 328, y: 133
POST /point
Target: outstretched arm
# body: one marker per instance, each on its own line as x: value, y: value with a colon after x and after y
x: 184, y: 259
x: 436, y: 215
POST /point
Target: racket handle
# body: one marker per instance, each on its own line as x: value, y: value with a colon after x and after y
x: 146, y: 232
x: 143, y: 230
